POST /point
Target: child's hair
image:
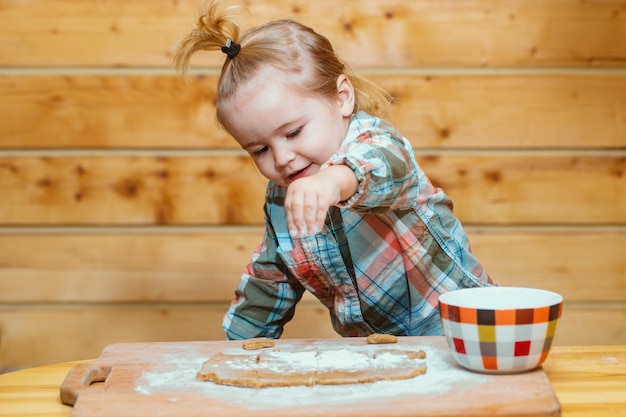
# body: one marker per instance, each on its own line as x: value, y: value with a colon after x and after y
x: 284, y: 44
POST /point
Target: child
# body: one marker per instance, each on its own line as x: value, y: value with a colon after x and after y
x: 349, y: 214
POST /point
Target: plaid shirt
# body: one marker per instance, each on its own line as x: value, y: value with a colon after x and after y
x: 380, y: 262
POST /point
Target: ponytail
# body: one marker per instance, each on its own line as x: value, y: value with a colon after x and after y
x: 215, y: 27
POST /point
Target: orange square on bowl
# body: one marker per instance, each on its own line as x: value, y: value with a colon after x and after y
x: 468, y: 315
x: 541, y: 315
x: 490, y: 362
x: 505, y: 317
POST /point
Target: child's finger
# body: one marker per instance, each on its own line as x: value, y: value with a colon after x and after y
x: 310, y: 213
x: 320, y: 217
x: 294, y: 217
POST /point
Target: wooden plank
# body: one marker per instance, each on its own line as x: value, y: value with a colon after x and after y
x: 205, y: 266
x: 131, y: 190
x: 472, y: 111
x: 557, y: 260
x: 592, y: 325
x: 510, y: 111
x: 105, y: 111
x: 110, y: 267
x: 38, y: 335
x: 34, y: 335
x: 491, y: 188
x: 532, y: 188
x: 588, y: 380
x: 467, y: 33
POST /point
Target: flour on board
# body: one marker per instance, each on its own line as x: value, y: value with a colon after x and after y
x: 176, y: 376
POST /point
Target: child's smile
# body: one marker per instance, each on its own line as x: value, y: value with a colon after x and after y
x: 302, y: 172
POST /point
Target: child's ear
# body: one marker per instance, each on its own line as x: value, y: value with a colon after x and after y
x: 345, y: 95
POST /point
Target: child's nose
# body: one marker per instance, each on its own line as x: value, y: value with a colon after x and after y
x: 283, y: 156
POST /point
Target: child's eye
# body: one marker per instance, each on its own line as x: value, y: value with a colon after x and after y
x: 260, y: 151
x: 294, y: 133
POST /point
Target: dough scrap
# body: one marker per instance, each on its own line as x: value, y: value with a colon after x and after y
x: 280, y: 368
x: 379, y: 338
x: 258, y: 343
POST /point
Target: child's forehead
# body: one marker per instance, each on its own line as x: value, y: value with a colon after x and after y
x: 271, y: 81
x: 269, y: 75
x: 269, y: 102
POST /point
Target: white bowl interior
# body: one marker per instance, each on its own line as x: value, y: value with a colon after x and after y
x: 501, y: 298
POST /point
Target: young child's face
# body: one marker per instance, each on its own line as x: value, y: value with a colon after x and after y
x: 288, y: 133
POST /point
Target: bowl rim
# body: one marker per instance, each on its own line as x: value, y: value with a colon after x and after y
x: 467, y: 298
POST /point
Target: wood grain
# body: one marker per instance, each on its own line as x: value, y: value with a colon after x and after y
x: 108, y: 111
x: 506, y: 188
x: 571, y: 367
x: 437, y: 110
x: 57, y: 334
x: 205, y: 265
x: 131, y: 190
x: 470, y: 33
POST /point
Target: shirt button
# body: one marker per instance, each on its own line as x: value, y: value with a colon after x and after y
x: 346, y: 289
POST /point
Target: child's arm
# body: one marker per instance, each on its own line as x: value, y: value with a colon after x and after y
x: 308, y: 199
x: 265, y: 298
x: 261, y: 308
x: 388, y: 176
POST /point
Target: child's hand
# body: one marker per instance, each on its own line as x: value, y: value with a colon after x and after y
x: 308, y: 199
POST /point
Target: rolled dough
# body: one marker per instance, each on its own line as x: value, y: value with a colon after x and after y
x: 277, y: 368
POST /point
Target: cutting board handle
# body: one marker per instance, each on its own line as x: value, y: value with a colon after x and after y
x: 80, y: 378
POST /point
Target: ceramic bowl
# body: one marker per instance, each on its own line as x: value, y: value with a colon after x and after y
x: 500, y: 329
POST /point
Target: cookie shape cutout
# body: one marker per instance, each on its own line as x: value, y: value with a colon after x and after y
x: 381, y: 338
x: 284, y: 368
x: 257, y: 343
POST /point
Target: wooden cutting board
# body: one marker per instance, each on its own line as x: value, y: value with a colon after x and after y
x: 149, y: 379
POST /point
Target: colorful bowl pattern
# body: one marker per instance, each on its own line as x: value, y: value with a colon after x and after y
x: 500, y: 340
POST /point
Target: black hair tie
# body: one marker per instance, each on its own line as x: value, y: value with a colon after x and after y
x: 231, y: 49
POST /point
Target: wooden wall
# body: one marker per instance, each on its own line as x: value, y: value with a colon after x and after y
x: 125, y: 215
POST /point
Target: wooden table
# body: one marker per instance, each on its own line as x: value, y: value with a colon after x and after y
x: 588, y: 380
